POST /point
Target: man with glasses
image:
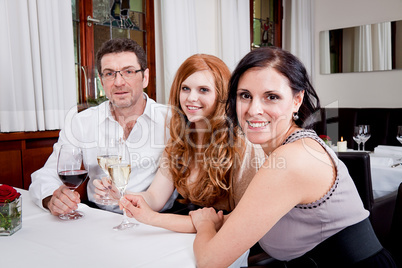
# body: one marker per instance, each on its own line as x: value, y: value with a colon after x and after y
x: 129, y: 116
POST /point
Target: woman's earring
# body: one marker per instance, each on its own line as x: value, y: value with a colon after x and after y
x: 295, y: 116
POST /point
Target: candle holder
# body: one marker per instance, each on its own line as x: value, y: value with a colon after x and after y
x: 10, y: 217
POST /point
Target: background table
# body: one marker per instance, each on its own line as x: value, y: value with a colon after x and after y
x: 46, y: 241
x: 385, y: 179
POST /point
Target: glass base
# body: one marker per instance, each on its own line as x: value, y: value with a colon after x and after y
x: 106, y: 202
x: 124, y: 225
x: 73, y: 215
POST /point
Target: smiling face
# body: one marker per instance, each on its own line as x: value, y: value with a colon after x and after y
x: 265, y: 105
x: 124, y: 93
x: 198, y: 97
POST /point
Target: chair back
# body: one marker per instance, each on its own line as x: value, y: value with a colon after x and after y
x: 358, y: 164
x: 395, y: 246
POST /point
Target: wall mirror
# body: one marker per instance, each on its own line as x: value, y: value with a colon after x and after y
x: 372, y: 47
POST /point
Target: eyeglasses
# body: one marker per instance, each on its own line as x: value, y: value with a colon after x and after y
x: 126, y: 74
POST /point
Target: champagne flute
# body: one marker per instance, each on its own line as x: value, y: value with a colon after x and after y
x: 399, y: 134
x: 72, y: 172
x: 120, y: 175
x: 365, y: 133
x: 108, y: 155
x: 357, y: 136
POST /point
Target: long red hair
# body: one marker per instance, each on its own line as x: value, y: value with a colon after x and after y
x: 215, y: 167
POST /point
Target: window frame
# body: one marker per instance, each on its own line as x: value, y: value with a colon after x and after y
x: 87, y: 54
x: 278, y: 21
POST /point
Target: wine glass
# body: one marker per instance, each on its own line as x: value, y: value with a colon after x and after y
x: 108, y: 155
x: 357, y: 136
x: 365, y: 133
x: 72, y: 172
x: 399, y: 134
x: 120, y: 175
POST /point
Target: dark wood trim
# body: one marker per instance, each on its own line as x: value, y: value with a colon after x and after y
x: 14, y: 136
x: 150, y: 47
x: 393, y: 44
x: 251, y: 22
x: 278, y: 20
x: 86, y: 51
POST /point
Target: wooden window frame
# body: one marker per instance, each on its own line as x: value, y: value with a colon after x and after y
x: 278, y: 18
x: 87, y: 52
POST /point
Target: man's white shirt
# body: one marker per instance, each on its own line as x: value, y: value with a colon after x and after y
x: 90, y: 130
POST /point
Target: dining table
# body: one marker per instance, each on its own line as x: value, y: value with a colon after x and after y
x: 47, y: 241
x: 386, y: 169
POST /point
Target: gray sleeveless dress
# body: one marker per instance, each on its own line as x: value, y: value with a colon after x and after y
x: 305, y: 226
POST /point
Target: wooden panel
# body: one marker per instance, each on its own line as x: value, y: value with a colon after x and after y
x: 40, y: 143
x: 10, y: 145
x: 10, y: 168
x: 32, y: 160
x: 21, y: 153
x: 29, y: 135
x: 150, y: 48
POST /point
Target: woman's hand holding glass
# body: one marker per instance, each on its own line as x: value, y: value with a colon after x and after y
x: 103, y: 188
x: 136, y: 207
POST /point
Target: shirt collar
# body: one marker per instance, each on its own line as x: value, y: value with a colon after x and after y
x: 105, y: 109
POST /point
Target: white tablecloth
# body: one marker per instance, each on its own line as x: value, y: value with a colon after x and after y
x: 385, y: 179
x: 46, y: 241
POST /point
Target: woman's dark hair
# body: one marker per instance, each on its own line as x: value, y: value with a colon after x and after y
x: 121, y: 45
x: 286, y: 64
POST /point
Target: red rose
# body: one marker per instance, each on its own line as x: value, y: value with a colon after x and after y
x: 8, y: 194
x: 325, y: 137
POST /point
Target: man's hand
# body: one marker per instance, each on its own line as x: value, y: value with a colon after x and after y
x: 62, y: 201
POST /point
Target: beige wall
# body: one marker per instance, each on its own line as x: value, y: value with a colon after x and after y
x: 371, y: 89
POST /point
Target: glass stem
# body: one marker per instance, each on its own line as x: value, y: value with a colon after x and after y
x: 125, y: 219
x: 363, y: 146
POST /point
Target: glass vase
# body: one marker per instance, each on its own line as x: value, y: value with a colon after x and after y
x: 10, y: 217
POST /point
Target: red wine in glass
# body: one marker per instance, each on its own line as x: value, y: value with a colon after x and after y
x: 72, y: 172
x: 73, y: 178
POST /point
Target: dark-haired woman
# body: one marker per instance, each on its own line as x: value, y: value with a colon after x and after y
x: 302, y: 205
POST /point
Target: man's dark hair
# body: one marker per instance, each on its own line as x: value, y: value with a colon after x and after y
x: 121, y: 45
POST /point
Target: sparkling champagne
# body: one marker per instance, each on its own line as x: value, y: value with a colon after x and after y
x: 120, y: 175
x: 106, y: 160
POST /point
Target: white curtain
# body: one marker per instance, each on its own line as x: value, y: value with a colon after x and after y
x: 363, y: 52
x: 382, y: 46
x: 233, y: 30
x: 298, y: 31
x: 178, y: 35
x: 177, y: 40
x: 325, y: 57
x: 37, y: 77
